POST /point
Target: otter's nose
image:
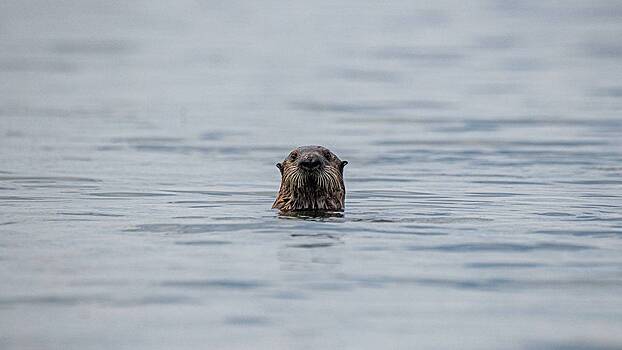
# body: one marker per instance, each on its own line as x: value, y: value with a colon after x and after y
x: 309, y: 162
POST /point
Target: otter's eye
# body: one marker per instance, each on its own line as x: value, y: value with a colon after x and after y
x: 293, y: 155
x: 327, y: 154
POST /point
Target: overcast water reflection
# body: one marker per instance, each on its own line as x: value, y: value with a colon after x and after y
x: 137, y: 150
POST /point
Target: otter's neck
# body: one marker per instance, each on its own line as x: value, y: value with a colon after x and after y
x: 308, y: 198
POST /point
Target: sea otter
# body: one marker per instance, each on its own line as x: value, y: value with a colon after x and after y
x: 311, y: 180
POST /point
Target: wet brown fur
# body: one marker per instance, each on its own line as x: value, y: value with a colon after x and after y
x: 318, y: 189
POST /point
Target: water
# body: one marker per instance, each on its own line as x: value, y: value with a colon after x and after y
x: 137, y: 151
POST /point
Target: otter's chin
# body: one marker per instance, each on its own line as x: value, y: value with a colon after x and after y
x: 316, y: 177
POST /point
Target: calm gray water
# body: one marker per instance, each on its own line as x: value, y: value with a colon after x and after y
x: 137, y: 151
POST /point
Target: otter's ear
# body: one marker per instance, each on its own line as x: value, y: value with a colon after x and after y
x: 343, y: 164
x: 280, y: 166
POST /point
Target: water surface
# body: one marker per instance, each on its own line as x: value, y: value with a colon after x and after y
x: 137, y: 151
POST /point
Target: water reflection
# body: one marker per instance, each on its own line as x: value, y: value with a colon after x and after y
x: 313, y: 215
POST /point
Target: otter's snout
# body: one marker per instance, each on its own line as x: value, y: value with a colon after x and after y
x: 310, y: 161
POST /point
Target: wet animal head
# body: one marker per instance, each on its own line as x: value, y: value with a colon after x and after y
x: 311, y: 179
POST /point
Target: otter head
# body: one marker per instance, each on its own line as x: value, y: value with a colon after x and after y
x: 311, y: 180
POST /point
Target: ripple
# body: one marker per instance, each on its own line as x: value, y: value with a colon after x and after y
x: 314, y: 235
x: 502, y: 247
x: 129, y: 194
x: 58, y: 300
x: 581, y: 233
x: 31, y: 179
x: 216, y: 283
x: 479, y: 284
x: 192, y: 228
x: 483, y: 284
x: 368, y: 75
x: 494, y: 194
x: 191, y: 202
x: 21, y: 198
x: 555, y: 214
x: 386, y: 193
x: 498, y: 143
x: 165, y: 299
x: 414, y: 231
x: 91, y: 214
x: 368, y: 107
x: 503, y: 265
x: 246, y: 320
x: 230, y: 193
x: 207, y: 150
x: 593, y: 182
x: 508, y: 182
x: 312, y: 245
x: 380, y: 179
x: 148, y: 139
x: 203, y: 243
x: 214, y: 135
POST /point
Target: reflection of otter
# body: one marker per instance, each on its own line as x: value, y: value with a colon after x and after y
x: 311, y: 180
